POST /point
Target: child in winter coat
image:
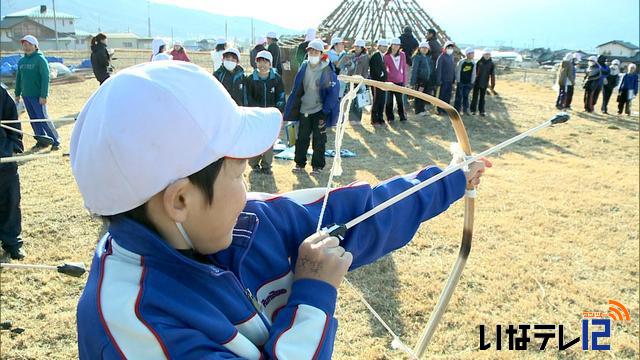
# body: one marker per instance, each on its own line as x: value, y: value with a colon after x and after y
x: 395, y: 61
x: 231, y: 75
x: 421, y: 74
x: 465, y: 78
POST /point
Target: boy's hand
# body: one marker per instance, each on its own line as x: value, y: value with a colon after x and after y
x: 321, y: 257
x: 476, y: 170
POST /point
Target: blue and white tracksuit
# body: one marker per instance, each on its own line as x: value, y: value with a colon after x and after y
x: 145, y: 300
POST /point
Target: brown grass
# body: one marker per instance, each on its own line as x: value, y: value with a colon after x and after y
x: 556, y: 234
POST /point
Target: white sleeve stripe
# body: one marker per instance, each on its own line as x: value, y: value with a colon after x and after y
x: 303, y: 339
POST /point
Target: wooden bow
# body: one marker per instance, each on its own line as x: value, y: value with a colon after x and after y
x: 467, y: 233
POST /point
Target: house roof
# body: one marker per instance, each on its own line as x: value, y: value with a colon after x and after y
x: 35, y: 13
x: 628, y: 45
x: 82, y: 33
x: 8, y: 23
x: 122, y: 36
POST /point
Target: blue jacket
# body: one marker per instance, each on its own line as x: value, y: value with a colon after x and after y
x: 145, y: 300
x: 629, y: 82
x: 329, y: 93
x: 421, y: 70
x: 445, y: 69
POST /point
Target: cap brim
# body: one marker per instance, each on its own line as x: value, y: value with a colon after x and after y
x: 259, y: 128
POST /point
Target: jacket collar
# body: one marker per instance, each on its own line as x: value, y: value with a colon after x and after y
x: 272, y: 75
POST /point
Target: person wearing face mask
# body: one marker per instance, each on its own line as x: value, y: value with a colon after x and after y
x: 591, y: 84
x: 179, y: 53
x: 264, y: 89
x: 445, y: 74
x: 357, y: 63
x: 231, y: 75
x: 378, y: 72
x: 627, y: 90
x: 610, y: 83
x: 485, y: 78
x: 565, y: 80
x: 313, y: 103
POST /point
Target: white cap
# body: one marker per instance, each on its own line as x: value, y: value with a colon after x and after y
x: 221, y: 41
x: 177, y: 42
x: 264, y: 54
x: 30, y: 39
x: 234, y: 51
x: 486, y: 51
x: 272, y: 35
x: 449, y: 43
x: 151, y: 125
x: 336, y: 40
x: 162, y: 56
x: 316, y: 44
x: 469, y: 50
x: 424, y: 44
x: 577, y: 56
x: 311, y: 34
x: 261, y: 40
x: 615, y: 61
x: 592, y: 58
x: 396, y: 41
x: 383, y: 42
x: 360, y: 43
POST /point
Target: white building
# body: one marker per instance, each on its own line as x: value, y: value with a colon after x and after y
x: 39, y: 22
x: 617, y: 48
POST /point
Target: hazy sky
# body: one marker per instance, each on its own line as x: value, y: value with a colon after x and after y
x: 548, y: 23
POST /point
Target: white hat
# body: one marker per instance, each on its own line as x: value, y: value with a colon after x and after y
x: 316, y: 44
x: 232, y: 51
x: 449, y: 43
x: 152, y: 124
x: 486, y: 51
x: 30, y: 39
x: 156, y: 44
x: 396, y: 41
x: 424, y: 44
x: 615, y: 61
x: 161, y: 56
x: 469, y: 50
x: 592, y: 58
x: 577, y: 56
x: 261, y: 40
x: 272, y: 35
x: 311, y: 34
x: 336, y: 40
x: 383, y: 42
x: 221, y: 41
x: 264, y: 54
x: 360, y: 43
x: 177, y: 42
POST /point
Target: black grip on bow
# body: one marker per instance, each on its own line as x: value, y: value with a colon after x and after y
x: 336, y: 230
x: 72, y: 269
x: 560, y: 118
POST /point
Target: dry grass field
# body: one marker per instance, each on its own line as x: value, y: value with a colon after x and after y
x: 556, y: 234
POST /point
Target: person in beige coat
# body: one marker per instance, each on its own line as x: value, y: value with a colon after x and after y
x: 566, y: 80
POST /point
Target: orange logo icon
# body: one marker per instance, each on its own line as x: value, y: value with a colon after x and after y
x: 618, y: 312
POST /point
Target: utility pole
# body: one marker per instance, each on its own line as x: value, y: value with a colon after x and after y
x: 226, y: 35
x: 55, y: 24
x: 149, y: 18
x: 253, y: 33
x: 172, y: 41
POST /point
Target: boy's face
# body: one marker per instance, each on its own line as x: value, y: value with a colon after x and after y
x: 313, y: 52
x: 424, y: 50
x: 230, y: 57
x: 210, y: 227
x: 339, y: 47
x: 263, y: 65
x: 470, y: 56
x: 28, y: 47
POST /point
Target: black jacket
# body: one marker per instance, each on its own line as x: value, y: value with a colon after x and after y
x: 485, y: 74
x: 267, y: 92
x: 10, y: 141
x: 274, y: 49
x: 434, y: 49
x: 233, y: 82
x: 377, y: 69
x: 409, y: 44
x: 252, y: 55
x: 100, y: 62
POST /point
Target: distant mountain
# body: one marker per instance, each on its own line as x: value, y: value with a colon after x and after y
x: 131, y: 15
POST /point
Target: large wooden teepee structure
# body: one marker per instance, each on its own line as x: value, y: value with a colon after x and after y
x: 375, y: 19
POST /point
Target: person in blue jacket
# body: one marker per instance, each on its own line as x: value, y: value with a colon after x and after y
x: 445, y: 74
x: 314, y: 104
x: 193, y: 267
x: 628, y: 89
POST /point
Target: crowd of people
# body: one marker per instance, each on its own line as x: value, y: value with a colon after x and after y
x: 603, y: 75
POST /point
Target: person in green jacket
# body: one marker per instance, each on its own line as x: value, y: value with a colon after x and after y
x: 32, y: 84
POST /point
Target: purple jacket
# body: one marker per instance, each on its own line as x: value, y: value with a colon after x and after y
x: 395, y: 75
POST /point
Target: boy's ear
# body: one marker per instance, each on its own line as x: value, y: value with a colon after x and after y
x: 174, y: 200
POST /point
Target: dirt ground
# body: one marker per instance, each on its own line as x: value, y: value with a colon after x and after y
x: 556, y: 234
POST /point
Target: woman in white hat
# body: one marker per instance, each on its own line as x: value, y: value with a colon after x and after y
x: 591, y: 84
x: 421, y: 74
x: 396, y: 62
x: 179, y: 53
